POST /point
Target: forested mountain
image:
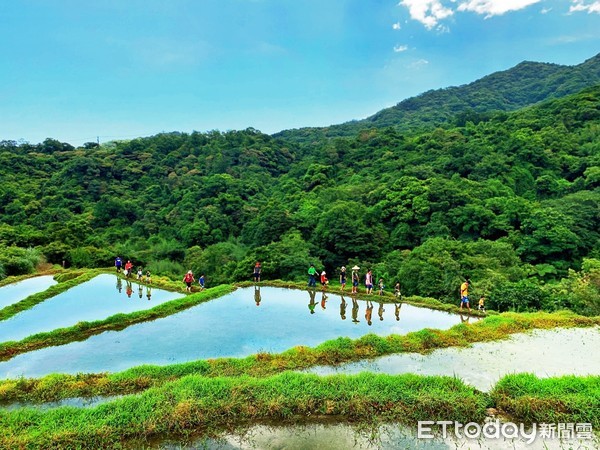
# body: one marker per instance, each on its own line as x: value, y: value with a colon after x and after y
x: 526, y: 84
x: 512, y: 200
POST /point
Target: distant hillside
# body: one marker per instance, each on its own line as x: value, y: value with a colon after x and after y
x: 526, y: 84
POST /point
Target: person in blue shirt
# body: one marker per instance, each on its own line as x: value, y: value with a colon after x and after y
x: 201, y: 282
x: 118, y: 264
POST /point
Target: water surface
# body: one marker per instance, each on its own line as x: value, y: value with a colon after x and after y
x: 546, y: 353
x: 239, y: 324
x: 99, y: 298
x: 15, y: 292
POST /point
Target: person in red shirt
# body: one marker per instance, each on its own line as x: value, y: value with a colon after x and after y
x: 128, y: 268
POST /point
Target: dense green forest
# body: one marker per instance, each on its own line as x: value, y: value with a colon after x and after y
x: 511, y: 199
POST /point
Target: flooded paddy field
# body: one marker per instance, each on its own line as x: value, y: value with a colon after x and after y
x: 239, y: 324
x: 99, y: 298
x: 545, y: 353
x: 15, y: 292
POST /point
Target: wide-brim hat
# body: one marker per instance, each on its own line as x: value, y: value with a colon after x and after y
x: 356, y: 268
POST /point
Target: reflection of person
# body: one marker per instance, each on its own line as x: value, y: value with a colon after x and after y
x: 355, y: 311
x: 257, y: 297
x: 464, y: 294
x: 129, y: 289
x: 464, y: 319
x: 369, y: 312
x: 312, y: 276
x: 257, y: 271
x: 118, y: 263
x: 188, y: 279
x: 148, y: 292
x: 343, y: 278
x: 119, y: 284
x: 140, y: 290
x: 397, y: 310
x: 380, y: 311
x: 323, y: 300
x: 312, y: 303
x: 343, y: 308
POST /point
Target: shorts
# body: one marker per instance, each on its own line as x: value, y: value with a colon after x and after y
x: 343, y: 280
x: 369, y: 286
x: 464, y: 299
x: 188, y: 283
x: 355, y: 283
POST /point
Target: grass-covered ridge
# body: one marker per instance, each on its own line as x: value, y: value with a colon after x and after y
x: 340, y: 350
x: 196, y: 403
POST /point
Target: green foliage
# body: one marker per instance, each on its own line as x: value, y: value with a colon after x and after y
x: 524, y: 295
x: 18, y: 261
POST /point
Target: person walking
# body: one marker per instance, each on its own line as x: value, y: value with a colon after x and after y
x: 201, y: 282
x: 464, y: 294
x: 312, y: 276
x: 257, y: 271
x: 324, y: 280
x: 355, y: 279
x: 118, y: 264
x: 369, y: 282
x: 343, y: 278
x: 188, y: 279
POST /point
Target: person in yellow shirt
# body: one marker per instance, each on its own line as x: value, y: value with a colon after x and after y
x: 464, y: 294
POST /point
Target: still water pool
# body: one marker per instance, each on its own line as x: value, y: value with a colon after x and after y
x: 546, y: 353
x: 15, y: 292
x: 239, y: 324
x: 96, y: 299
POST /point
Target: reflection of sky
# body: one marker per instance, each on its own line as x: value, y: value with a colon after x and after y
x: 96, y: 299
x: 547, y: 353
x: 231, y: 326
x: 15, y: 292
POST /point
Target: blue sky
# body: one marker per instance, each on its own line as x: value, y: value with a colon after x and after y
x: 118, y: 69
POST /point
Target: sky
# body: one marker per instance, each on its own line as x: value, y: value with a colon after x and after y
x: 81, y: 70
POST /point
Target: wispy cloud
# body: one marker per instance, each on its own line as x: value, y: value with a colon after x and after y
x: 400, y: 48
x: 428, y: 12
x: 585, y: 5
x: 418, y: 64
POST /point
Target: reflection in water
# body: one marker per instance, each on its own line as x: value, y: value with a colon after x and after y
x: 323, y: 300
x: 140, y: 291
x: 311, y: 302
x: 230, y: 326
x: 397, y: 310
x: 129, y: 288
x: 464, y: 319
x: 369, y: 312
x: 15, y: 292
x: 343, y: 308
x: 148, y: 292
x: 257, y: 297
x: 119, y: 284
x: 355, y: 310
x: 380, y: 311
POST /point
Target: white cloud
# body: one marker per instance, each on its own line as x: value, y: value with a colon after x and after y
x: 428, y: 12
x: 585, y: 5
x: 396, y: 26
x: 400, y: 48
x: 491, y: 8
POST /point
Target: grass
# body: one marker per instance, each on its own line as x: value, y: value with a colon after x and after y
x: 567, y: 399
x: 340, y: 350
x: 194, y: 403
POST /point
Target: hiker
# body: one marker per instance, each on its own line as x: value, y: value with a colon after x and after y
x: 324, y: 280
x: 355, y: 279
x: 128, y: 268
x: 201, y: 282
x: 464, y: 294
x: 369, y: 282
x: 381, y: 286
x: 148, y: 277
x: 188, y: 279
x: 140, y: 274
x: 482, y: 304
x: 343, y: 278
x: 397, y: 290
x: 257, y: 271
x: 312, y: 276
x: 118, y: 264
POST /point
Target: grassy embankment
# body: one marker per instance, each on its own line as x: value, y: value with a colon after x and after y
x: 207, y: 406
x: 340, y: 350
x: 568, y: 399
x: 198, y: 404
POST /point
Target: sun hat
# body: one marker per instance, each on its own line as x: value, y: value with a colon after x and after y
x: 356, y: 268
